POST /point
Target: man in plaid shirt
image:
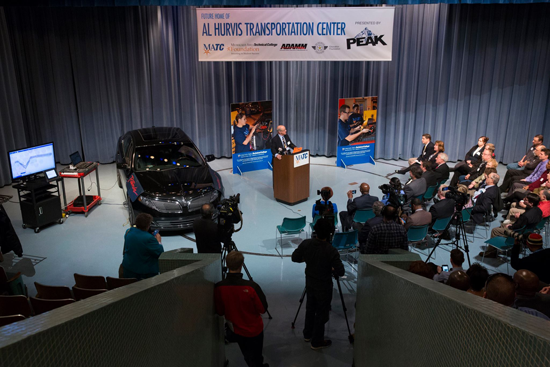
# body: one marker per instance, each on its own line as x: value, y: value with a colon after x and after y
x: 388, y: 234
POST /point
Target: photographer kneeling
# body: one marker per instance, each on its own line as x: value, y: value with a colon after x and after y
x: 207, y: 232
x: 322, y: 262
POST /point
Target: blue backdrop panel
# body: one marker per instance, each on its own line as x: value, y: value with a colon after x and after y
x: 355, y: 154
x: 251, y: 161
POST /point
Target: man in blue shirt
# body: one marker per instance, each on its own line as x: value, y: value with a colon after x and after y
x: 242, y: 133
x: 141, y: 250
x: 346, y: 133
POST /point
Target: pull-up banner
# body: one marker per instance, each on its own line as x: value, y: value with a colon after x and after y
x: 298, y: 34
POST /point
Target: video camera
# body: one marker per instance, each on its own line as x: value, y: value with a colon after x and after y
x: 522, y: 238
x: 460, y: 198
x: 229, y: 215
x: 392, y: 193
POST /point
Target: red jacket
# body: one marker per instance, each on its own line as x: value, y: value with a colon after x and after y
x: 242, y: 302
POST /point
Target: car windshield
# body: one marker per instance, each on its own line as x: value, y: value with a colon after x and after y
x: 166, y: 156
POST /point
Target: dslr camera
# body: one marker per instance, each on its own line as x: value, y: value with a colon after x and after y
x: 460, y: 198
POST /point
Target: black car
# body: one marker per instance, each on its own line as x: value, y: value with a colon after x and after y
x: 175, y: 177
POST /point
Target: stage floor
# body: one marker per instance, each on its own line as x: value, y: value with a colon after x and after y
x: 93, y: 246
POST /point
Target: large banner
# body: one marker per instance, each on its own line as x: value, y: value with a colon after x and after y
x: 356, y: 130
x: 251, y: 131
x: 299, y: 34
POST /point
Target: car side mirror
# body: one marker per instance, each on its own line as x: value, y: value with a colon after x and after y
x: 121, y: 165
x: 210, y: 157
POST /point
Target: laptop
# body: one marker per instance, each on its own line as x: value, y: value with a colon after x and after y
x: 76, y: 161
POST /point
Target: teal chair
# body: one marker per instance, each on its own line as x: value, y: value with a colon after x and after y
x: 290, y: 226
x: 361, y: 216
x: 430, y: 193
x: 501, y: 244
x: 345, y: 241
x: 417, y: 234
x: 316, y: 218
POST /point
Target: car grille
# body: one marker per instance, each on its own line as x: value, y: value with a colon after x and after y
x: 196, y: 203
x: 174, y: 223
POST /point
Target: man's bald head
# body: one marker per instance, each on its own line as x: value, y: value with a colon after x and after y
x: 364, y: 188
x: 501, y: 289
x: 527, y: 282
x: 281, y: 129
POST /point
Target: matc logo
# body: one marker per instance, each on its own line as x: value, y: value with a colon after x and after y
x: 210, y: 47
x: 294, y: 46
x: 301, y: 159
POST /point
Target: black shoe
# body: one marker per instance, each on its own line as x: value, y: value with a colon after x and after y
x: 324, y: 344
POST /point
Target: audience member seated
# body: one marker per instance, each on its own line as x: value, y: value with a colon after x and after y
x: 459, y: 280
x: 419, y: 216
x: 517, y: 174
x: 365, y: 230
x: 439, y: 147
x: 388, y: 234
x: 472, y: 158
x: 364, y: 201
x: 415, y: 188
x: 487, y: 199
x: 527, y: 287
x: 422, y: 269
x: 540, y: 184
x: 501, y: 288
x: 517, y: 210
x: 323, y: 206
x: 537, y: 173
x: 529, y: 156
x: 427, y: 151
x: 479, y: 182
x: 440, y: 167
x: 444, y: 208
x: 428, y: 173
x: 478, y: 276
x: 457, y: 258
x: 475, y: 171
x: 537, y: 261
x: 141, y: 250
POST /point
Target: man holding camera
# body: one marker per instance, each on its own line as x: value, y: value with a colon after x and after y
x: 322, y: 262
x: 364, y: 201
x: 444, y: 208
x: 207, y: 232
x: 457, y: 259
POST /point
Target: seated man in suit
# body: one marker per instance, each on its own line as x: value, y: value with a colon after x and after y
x: 537, y: 261
x: 485, y: 201
x: 444, y: 208
x: 427, y: 151
x: 441, y: 170
x: 527, y: 287
x: 281, y: 144
x: 513, y: 175
x: 415, y: 188
x: 364, y: 201
x: 428, y: 173
x: 369, y: 224
x: 419, y: 216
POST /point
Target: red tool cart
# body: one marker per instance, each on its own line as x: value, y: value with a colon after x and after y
x: 83, y: 203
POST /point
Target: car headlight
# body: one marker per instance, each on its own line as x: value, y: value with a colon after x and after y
x: 205, y: 198
x: 161, y: 206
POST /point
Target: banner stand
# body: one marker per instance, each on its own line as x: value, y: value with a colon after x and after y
x: 270, y: 166
x: 343, y: 164
x: 240, y: 172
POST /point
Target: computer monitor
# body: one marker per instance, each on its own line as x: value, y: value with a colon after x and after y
x: 30, y: 161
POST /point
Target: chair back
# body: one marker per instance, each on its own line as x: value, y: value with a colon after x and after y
x: 44, y: 305
x: 6, y: 320
x: 362, y: 215
x: 430, y: 192
x: 82, y: 293
x: 293, y: 224
x: 344, y: 240
x: 52, y: 291
x: 90, y: 281
x: 466, y: 214
x: 540, y: 225
x: 113, y: 283
x: 417, y: 233
x: 441, y: 223
x: 14, y: 305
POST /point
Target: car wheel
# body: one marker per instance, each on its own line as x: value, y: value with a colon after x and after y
x: 131, y: 217
x: 118, y: 179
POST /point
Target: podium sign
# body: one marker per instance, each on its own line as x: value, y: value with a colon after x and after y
x: 301, y: 159
x: 291, y: 178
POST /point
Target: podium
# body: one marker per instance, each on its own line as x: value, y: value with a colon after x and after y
x: 291, y: 178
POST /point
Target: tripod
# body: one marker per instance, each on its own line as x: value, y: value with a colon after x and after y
x: 350, y: 337
x: 460, y: 232
x: 227, y: 248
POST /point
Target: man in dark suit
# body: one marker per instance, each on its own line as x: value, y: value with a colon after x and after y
x: 427, y: 151
x: 428, y: 173
x: 281, y: 144
x: 419, y: 217
x: 414, y: 188
x: 441, y: 170
x: 537, y: 262
x: 485, y: 201
x: 364, y: 201
x: 444, y: 208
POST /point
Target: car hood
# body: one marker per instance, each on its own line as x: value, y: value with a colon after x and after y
x: 175, y: 182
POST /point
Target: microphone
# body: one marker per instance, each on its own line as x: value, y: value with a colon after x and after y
x: 280, y: 151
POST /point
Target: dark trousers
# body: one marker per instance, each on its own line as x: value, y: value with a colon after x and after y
x: 512, y: 175
x: 317, y: 310
x: 460, y: 170
x: 251, y: 348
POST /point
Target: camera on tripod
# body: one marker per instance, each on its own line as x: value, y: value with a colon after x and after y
x: 393, y: 193
x: 229, y: 215
x: 460, y: 198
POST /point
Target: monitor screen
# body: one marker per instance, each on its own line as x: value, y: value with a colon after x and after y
x: 29, y: 161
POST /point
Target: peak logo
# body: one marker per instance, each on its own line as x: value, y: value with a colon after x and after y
x: 365, y: 41
x: 210, y: 47
x: 294, y: 46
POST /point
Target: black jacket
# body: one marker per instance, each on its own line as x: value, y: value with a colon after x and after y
x: 441, y: 172
x: 365, y: 230
x: 477, y: 171
x: 364, y: 201
x: 430, y: 177
x: 9, y: 241
x: 207, y: 236
x: 320, y: 258
x: 537, y: 262
x: 474, y: 158
x: 529, y: 219
x: 277, y: 144
x: 442, y: 209
x: 425, y: 154
x: 484, y: 203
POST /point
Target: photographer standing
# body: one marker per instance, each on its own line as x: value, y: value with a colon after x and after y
x: 207, y: 232
x: 141, y: 250
x: 322, y: 262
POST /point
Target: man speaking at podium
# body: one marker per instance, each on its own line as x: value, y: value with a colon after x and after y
x: 281, y: 144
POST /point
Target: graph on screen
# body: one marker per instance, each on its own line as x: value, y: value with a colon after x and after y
x: 32, y: 160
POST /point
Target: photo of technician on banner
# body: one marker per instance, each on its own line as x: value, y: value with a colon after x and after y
x: 356, y: 130
x: 251, y: 130
x: 298, y: 34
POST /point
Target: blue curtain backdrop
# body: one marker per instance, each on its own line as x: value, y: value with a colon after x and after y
x: 458, y: 72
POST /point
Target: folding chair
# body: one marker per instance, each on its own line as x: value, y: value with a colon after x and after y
x: 44, y: 305
x: 439, y: 227
x: 90, y: 281
x: 501, y: 244
x: 345, y: 241
x: 52, y: 292
x: 417, y: 234
x: 290, y: 226
x: 14, y: 305
x: 361, y: 216
x: 430, y: 193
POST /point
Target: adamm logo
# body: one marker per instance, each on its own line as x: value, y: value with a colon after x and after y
x: 294, y: 46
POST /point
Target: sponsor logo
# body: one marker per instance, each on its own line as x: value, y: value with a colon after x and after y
x: 266, y: 44
x: 294, y: 46
x: 211, y: 47
x: 365, y: 38
x: 319, y: 47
